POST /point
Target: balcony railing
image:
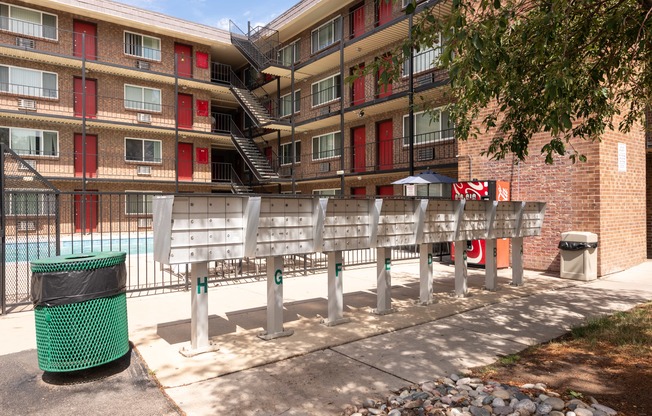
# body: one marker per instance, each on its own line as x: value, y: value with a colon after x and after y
x: 131, y: 52
x: 37, y: 102
x: 111, y: 163
x: 430, y: 149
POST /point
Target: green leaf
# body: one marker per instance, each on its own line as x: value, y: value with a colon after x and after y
x: 496, y: 4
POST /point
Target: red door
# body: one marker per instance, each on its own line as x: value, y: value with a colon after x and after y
x: 359, y: 145
x: 185, y: 161
x: 268, y: 154
x: 357, y: 21
x: 88, y: 32
x: 86, y: 212
x: 359, y: 191
x: 184, y: 108
x: 357, y: 89
x: 184, y: 59
x: 383, y: 90
x: 91, y: 97
x: 386, y: 190
x: 383, y: 11
x: 385, y: 145
x: 91, y: 155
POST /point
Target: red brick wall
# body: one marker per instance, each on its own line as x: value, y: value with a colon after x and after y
x: 649, y: 203
x: 589, y: 196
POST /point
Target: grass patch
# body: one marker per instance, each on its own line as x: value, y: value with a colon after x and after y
x: 510, y: 359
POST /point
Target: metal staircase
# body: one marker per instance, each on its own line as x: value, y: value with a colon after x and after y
x: 259, y: 46
x: 257, y: 162
x: 250, y: 102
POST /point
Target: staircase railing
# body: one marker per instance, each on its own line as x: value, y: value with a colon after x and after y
x: 260, y: 46
x: 274, y: 163
x: 269, y: 104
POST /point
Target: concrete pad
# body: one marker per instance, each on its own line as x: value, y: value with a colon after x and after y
x: 428, y: 351
x: 321, y: 383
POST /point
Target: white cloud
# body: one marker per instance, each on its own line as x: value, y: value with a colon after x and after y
x: 247, y: 13
x: 223, y: 23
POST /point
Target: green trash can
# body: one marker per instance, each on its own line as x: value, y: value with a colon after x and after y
x: 80, y: 309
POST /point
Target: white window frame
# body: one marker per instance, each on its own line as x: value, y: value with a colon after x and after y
x: 336, y: 88
x: 144, y: 201
x: 327, y: 191
x: 142, y: 36
x: 337, y: 152
x: 22, y: 151
x: 12, y: 23
x: 406, y: 139
x: 336, y: 36
x: 160, y: 143
x: 297, y: 103
x: 294, y: 46
x: 297, y: 153
x: 18, y: 89
x: 421, y: 60
x: 46, y: 203
x: 142, y: 97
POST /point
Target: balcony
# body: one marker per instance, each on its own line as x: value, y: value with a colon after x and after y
x: 112, y: 164
x: 33, y: 103
x: 25, y: 40
x: 430, y: 150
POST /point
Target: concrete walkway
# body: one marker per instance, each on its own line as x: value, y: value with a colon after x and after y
x: 320, y: 369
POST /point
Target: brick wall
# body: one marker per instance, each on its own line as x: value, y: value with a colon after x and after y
x: 589, y: 196
x: 649, y: 203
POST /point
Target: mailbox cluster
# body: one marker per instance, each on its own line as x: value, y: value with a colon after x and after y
x: 193, y: 229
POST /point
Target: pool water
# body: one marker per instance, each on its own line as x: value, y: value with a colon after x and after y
x: 29, y: 251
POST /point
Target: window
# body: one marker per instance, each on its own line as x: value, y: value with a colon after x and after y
x: 29, y: 203
x: 286, y: 153
x: 289, y: 54
x: 286, y: 103
x: 142, y: 150
x: 429, y: 127
x: 28, y: 82
x: 326, y: 146
x: 138, y: 203
x: 333, y: 191
x: 142, y: 46
x: 31, y: 142
x: 142, y: 98
x: 326, y: 34
x: 427, y: 58
x: 326, y: 90
x: 28, y: 22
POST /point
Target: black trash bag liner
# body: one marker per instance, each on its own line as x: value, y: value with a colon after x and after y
x: 576, y: 245
x: 62, y: 288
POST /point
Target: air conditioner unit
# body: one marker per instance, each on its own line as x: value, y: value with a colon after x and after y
x: 425, y: 154
x: 144, y: 170
x: 25, y: 43
x: 324, y: 167
x: 25, y: 104
x: 145, y: 222
x: 142, y: 65
x: 25, y: 163
x: 26, y: 226
x: 144, y: 118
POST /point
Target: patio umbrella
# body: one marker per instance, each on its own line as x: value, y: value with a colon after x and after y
x: 426, y: 177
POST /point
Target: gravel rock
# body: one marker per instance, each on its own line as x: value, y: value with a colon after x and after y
x: 555, y: 402
x: 501, y: 394
x: 498, y: 402
x: 544, y: 409
x: 580, y: 411
x: 394, y: 412
x: 607, y: 410
x: 367, y: 403
x: 525, y: 407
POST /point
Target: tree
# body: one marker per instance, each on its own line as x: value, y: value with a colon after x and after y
x: 572, y: 68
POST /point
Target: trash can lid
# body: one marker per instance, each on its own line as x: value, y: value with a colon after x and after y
x: 579, y: 236
x: 79, y: 261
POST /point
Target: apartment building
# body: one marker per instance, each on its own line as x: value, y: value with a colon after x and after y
x: 100, y: 96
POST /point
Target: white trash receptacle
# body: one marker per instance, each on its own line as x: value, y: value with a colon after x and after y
x: 579, y: 255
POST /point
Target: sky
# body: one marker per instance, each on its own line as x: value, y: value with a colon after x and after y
x: 216, y: 13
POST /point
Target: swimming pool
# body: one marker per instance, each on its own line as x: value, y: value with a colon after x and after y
x: 32, y: 250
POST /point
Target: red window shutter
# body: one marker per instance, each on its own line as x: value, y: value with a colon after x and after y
x: 202, y: 60
x: 202, y: 155
x: 202, y: 108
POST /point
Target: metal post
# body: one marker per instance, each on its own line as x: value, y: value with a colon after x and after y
x: 83, y: 206
x: 425, y: 273
x: 292, y: 110
x: 3, y: 304
x: 384, y: 285
x: 335, y: 291
x: 411, y: 102
x: 517, y: 261
x: 342, y: 109
x: 275, y: 300
x: 491, y: 265
x: 461, y: 273
x: 199, y: 306
x: 176, y: 124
